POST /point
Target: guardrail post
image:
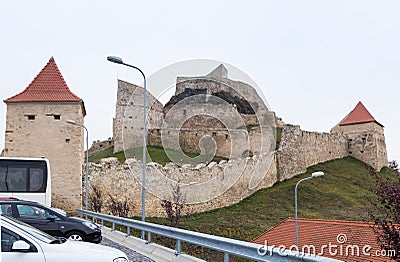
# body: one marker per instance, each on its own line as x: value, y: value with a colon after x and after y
x: 178, y: 250
x: 148, y: 238
x: 113, y: 226
x: 226, y: 257
x: 128, y: 231
x: 102, y: 222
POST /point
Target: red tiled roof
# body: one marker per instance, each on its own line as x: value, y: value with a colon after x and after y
x: 48, y: 86
x: 342, y: 236
x: 358, y: 115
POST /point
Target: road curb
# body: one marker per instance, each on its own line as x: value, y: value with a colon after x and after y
x: 151, y: 250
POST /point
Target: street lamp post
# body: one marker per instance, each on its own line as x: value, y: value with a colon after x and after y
x: 72, y: 122
x: 118, y: 60
x: 313, y: 175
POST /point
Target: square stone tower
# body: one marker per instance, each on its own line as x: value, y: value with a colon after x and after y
x: 365, y: 137
x: 36, y: 127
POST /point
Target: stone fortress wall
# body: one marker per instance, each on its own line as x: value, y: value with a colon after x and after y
x: 128, y: 121
x: 99, y: 146
x: 298, y: 150
x: 123, y: 181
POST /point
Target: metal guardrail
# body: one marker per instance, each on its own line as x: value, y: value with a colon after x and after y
x: 226, y: 245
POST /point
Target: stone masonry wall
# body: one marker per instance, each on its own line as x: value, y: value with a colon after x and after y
x: 300, y: 149
x: 128, y: 121
x: 99, y: 146
x: 59, y: 142
x: 217, y: 179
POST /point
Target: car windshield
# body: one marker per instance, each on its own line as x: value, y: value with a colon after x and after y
x: 59, y: 211
x: 42, y: 236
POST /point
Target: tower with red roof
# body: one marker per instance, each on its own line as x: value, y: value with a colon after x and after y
x: 365, y: 136
x: 36, y: 127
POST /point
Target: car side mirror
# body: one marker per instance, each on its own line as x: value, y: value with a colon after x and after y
x: 20, y: 246
x: 51, y: 218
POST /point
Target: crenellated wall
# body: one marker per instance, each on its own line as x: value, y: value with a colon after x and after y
x: 300, y: 149
x: 204, y: 187
x: 216, y: 185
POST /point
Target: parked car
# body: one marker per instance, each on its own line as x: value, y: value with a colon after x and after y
x: 24, y: 243
x: 52, y: 221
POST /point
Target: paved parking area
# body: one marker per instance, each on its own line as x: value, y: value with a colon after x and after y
x: 132, y: 254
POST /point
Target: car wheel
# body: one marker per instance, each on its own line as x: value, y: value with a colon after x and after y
x: 75, y: 236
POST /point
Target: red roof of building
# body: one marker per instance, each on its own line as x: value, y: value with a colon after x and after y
x: 349, y: 241
x: 48, y: 86
x: 358, y: 115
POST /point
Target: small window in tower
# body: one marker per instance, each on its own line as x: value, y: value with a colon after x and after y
x: 57, y: 117
x: 31, y: 117
x: 67, y: 140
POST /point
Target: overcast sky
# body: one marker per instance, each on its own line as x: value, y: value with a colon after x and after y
x: 313, y: 60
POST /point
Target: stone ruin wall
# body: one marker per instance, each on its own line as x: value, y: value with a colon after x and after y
x: 128, y: 121
x: 216, y: 141
x: 118, y: 180
x: 217, y: 85
x: 99, y: 146
x: 300, y: 149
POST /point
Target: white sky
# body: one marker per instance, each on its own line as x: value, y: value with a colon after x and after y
x: 313, y: 60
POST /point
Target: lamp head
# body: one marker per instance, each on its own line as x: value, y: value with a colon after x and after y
x: 115, y: 59
x: 72, y: 122
x: 317, y: 174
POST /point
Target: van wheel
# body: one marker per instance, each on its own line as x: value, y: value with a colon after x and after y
x: 75, y: 236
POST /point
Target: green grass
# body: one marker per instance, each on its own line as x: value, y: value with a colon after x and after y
x: 343, y: 193
x: 154, y: 154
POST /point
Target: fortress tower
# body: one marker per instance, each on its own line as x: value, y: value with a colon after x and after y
x: 36, y: 127
x: 365, y: 137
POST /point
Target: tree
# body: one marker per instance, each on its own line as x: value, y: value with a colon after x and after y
x: 96, y: 199
x: 387, y: 217
x: 174, y: 209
